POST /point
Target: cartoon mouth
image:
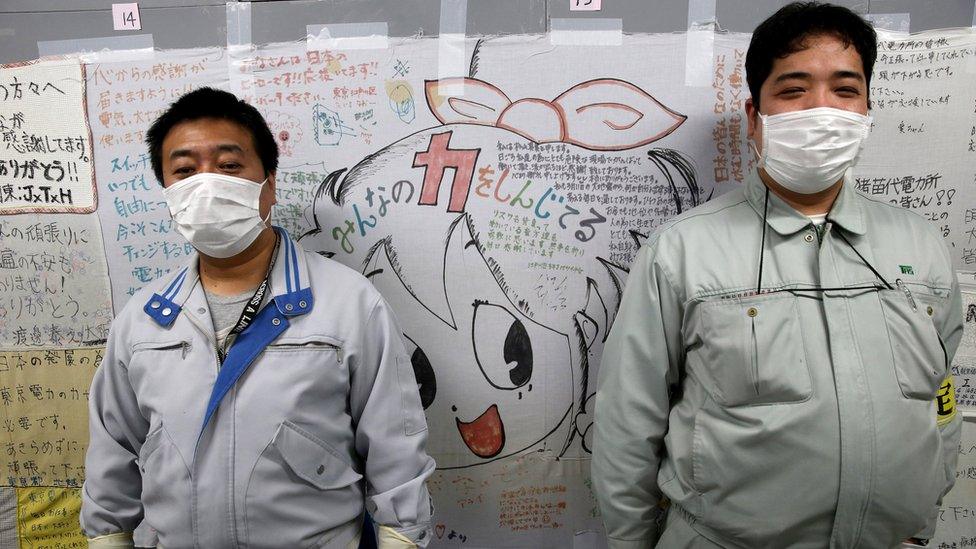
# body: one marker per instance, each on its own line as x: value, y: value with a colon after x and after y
x: 484, y: 436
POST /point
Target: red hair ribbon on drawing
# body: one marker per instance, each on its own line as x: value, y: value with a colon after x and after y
x: 604, y: 114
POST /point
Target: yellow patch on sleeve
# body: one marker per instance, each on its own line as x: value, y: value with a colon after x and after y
x: 945, y: 401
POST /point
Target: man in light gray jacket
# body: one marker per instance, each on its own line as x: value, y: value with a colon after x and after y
x: 778, y: 372
x: 259, y: 396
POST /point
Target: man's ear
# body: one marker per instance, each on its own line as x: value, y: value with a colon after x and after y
x: 271, y: 185
x: 752, y: 115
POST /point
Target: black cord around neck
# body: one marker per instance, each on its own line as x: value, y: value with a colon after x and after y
x: 762, y: 255
x: 762, y: 242
x: 865, y: 261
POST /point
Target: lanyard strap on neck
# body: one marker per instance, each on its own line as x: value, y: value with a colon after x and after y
x: 253, y: 305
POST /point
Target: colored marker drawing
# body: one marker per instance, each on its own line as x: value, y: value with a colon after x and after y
x: 604, y: 114
x: 494, y: 379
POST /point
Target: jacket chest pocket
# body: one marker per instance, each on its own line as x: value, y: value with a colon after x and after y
x: 753, y: 353
x: 918, y: 354
x: 312, y: 346
x: 156, y: 354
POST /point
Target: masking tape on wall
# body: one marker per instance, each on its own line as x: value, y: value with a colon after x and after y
x: 897, y: 22
x: 700, y: 43
x: 348, y: 36
x: 239, y: 47
x: 585, y: 31
x: 452, y: 60
x: 103, y: 49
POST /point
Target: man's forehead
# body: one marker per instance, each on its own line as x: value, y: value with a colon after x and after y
x: 820, y: 51
x: 209, y: 135
x: 811, y: 44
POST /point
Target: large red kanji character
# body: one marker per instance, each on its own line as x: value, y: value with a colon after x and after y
x: 434, y: 160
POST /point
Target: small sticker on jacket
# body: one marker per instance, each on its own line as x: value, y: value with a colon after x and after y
x: 945, y: 401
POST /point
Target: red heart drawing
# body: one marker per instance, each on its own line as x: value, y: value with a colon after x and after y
x: 439, y: 530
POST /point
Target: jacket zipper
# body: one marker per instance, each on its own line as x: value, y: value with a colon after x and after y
x: 213, y: 341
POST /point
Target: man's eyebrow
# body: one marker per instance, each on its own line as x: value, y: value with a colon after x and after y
x: 793, y: 75
x: 800, y: 75
x: 223, y: 147
x: 849, y: 74
x: 229, y: 147
x: 179, y: 153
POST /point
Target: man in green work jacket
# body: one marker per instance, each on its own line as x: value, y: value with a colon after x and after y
x: 778, y: 373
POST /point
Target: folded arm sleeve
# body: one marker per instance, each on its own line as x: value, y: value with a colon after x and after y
x: 950, y: 327
x: 640, y: 360
x: 391, y: 430
x: 112, y: 541
x: 113, y: 485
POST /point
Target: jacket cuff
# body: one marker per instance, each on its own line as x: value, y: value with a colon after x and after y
x: 643, y: 543
x: 121, y: 540
x: 388, y: 538
x: 929, y: 531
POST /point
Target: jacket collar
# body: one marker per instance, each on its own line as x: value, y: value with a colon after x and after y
x: 289, y: 278
x: 289, y: 284
x: 846, y: 211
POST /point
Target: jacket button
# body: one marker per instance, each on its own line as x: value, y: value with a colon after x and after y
x: 276, y: 321
x: 289, y: 306
x: 752, y: 312
x: 154, y: 304
x: 166, y: 311
x: 808, y: 237
x: 930, y: 310
x: 302, y: 304
x: 320, y: 470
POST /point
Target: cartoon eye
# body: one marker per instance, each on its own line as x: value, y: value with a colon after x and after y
x: 502, y: 347
x: 422, y: 370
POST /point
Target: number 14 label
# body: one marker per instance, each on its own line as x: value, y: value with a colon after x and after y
x: 126, y: 16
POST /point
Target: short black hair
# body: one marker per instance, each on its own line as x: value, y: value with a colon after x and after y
x: 786, y: 32
x: 212, y: 103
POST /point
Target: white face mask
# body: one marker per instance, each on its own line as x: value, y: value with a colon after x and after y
x: 808, y: 151
x: 218, y: 214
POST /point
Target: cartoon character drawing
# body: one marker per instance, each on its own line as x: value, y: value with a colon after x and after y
x: 287, y: 131
x: 493, y: 381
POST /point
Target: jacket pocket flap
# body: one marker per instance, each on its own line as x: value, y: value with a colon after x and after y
x: 312, y: 459
x: 753, y: 351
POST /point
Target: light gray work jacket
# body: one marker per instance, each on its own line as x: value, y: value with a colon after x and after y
x: 781, y: 417
x: 324, y: 416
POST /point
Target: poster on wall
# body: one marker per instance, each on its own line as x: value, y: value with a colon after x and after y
x: 46, y: 155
